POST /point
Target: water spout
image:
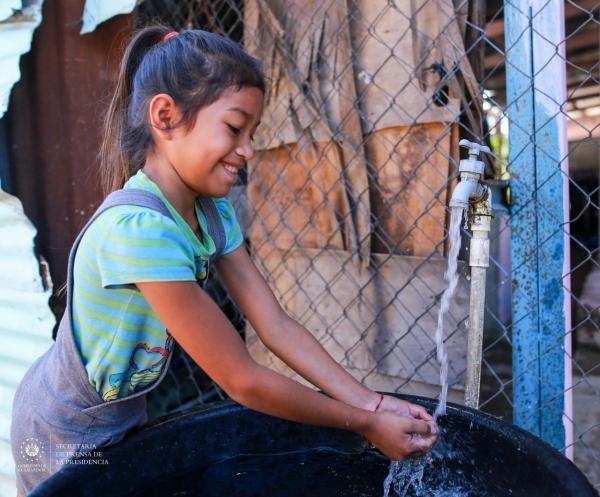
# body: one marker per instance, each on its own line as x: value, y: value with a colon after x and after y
x: 462, y: 193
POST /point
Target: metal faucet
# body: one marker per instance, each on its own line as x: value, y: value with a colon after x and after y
x: 470, y: 188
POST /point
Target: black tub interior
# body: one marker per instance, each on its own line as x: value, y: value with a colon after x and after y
x: 225, y: 449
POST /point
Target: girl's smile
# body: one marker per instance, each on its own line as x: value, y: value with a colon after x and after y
x: 231, y: 168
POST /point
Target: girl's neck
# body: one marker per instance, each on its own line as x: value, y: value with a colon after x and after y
x: 179, y: 195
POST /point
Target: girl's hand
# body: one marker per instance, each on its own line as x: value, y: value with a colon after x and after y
x: 400, y: 437
x: 397, y: 406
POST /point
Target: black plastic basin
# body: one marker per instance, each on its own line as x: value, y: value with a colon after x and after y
x: 225, y: 449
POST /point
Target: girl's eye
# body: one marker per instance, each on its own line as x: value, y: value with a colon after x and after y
x: 235, y: 131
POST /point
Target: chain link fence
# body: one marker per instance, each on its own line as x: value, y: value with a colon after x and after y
x: 356, y: 159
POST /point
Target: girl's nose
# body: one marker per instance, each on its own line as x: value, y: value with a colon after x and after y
x: 245, y: 150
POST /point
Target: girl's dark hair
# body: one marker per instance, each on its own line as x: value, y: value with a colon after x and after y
x: 195, y: 68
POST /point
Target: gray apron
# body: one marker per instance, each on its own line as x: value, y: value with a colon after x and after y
x: 57, y: 413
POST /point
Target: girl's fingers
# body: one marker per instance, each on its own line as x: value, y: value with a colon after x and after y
x: 418, y: 427
x: 404, y: 408
x: 434, y: 428
x: 419, y: 447
x: 420, y: 412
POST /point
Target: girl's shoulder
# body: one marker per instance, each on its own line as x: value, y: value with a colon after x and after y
x: 127, y: 244
x: 126, y: 239
x: 129, y: 222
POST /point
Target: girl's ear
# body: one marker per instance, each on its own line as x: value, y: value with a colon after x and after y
x: 164, y: 116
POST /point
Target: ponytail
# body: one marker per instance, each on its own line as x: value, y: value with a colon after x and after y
x: 195, y: 68
x: 115, y: 167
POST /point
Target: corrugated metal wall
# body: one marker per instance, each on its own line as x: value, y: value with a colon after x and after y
x: 26, y: 321
x: 53, y: 119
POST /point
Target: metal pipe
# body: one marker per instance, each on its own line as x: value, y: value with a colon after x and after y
x: 479, y: 262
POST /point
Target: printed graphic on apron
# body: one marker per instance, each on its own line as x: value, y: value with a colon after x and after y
x: 145, y: 366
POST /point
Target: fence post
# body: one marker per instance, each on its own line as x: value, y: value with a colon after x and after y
x: 535, y: 90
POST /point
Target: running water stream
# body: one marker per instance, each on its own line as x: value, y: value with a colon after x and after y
x: 451, y: 277
x: 408, y: 476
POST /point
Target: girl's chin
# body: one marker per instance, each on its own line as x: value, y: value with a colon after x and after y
x: 221, y: 192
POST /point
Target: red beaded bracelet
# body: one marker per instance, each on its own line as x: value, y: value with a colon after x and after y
x: 369, y: 444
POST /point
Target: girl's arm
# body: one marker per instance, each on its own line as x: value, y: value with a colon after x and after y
x: 206, y: 334
x: 294, y: 344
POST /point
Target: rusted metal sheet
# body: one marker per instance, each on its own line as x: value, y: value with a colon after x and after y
x: 54, y: 118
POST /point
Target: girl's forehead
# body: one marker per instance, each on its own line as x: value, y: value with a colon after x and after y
x: 247, y: 102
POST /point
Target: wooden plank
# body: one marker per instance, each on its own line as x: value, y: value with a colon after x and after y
x: 396, y: 47
x: 409, y: 169
x: 297, y: 198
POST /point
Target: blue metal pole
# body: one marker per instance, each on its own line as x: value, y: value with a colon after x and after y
x: 534, y: 97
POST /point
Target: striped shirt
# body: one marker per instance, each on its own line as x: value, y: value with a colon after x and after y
x: 122, y: 343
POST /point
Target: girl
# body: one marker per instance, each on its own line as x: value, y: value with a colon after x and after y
x: 178, y: 130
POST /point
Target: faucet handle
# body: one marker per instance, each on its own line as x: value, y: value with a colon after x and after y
x: 474, y: 148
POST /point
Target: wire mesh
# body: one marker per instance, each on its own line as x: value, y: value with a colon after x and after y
x: 344, y: 204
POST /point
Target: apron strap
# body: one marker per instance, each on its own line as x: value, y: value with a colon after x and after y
x: 137, y: 197
x: 216, y: 229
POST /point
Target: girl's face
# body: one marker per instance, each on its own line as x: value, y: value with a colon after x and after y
x: 208, y: 157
